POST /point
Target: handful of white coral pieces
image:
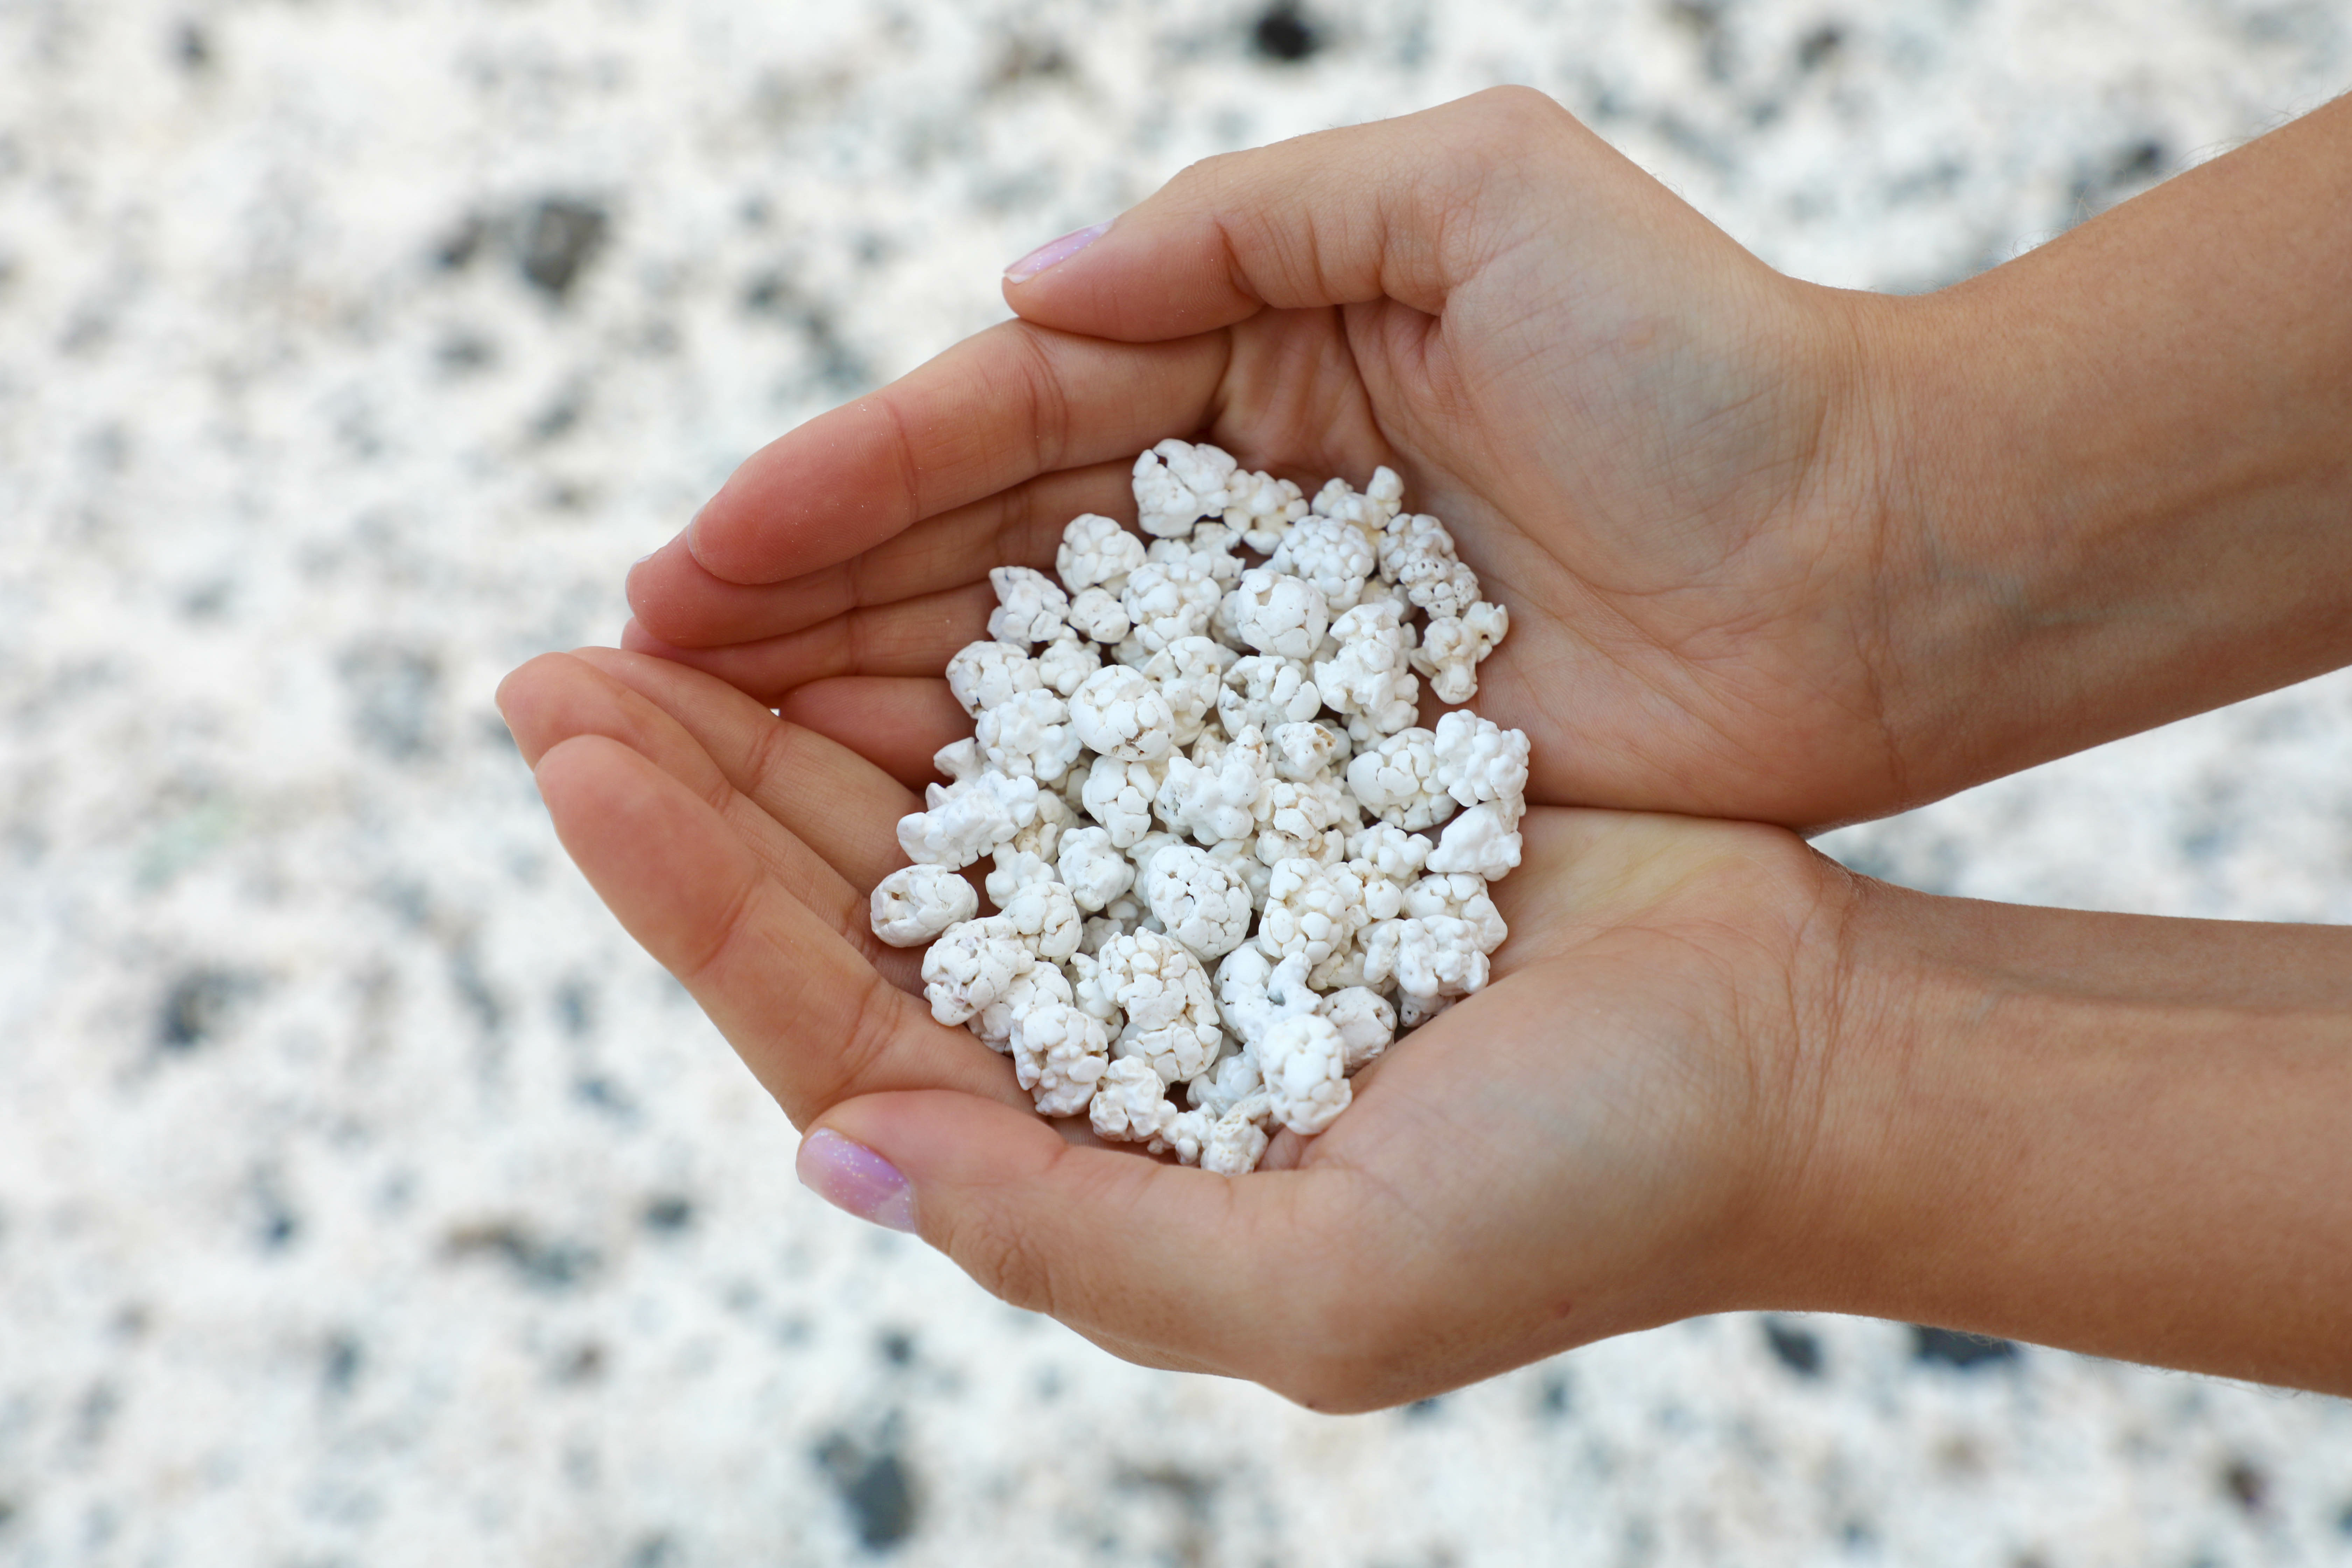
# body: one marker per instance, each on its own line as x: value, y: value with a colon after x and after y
x: 1184, y: 764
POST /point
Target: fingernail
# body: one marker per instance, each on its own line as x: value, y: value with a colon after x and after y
x: 693, y: 523
x: 853, y: 1177
x: 1060, y: 250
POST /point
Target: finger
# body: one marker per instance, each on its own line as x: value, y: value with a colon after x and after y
x: 1406, y: 209
x: 999, y: 408
x: 812, y: 1019
x: 914, y: 637
x: 675, y: 598
x: 823, y: 793
x: 896, y: 723
x: 557, y: 696
x: 1224, y: 1275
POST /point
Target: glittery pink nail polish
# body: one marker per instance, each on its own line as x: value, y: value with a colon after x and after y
x: 1059, y: 250
x: 853, y: 1178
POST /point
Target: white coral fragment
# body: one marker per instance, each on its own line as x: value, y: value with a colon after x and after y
x: 968, y: 819
x: 1118, y: 713
x: 1372, y: 674
x: 984, y: 674
x: 1397, y: 781
x: 1029, y: 736
x: 1178, y: 483
x: 1167, y: 600
x: 1331, y: 554
x: 1097, y: 552
x: 1478, y: 761
x: 1453, y: 647
x: 1483, y: 840
x: 972, y: 965
x: 915, y: 903
x: 1164, y: 994
x: 1304, y: 1060
x: 1130, y: 1102
x: 1200, y: 900
x: 1031, y: 608
x: 1279, y: 615
x: 1059, y: 1055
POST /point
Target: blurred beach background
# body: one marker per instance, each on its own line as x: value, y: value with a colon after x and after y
x: 366, y: 1197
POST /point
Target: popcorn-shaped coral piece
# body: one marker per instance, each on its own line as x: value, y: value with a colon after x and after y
x: 968, y: 819
x: 1039, y: 986
x: 1312, y: 911
x: 1201, y: 902
x: 1097, y: 552
x: 1304, y: 1060
x: 915, y: 903
x: 1063, y: 665
x: 1453, y: 647
x: 1178, y: 483
x: 1118, y: 713
x: 1261, y: 508
x: 972, y: 965
x: 1264, y: 693
x: 1397, y: 781
x: 1372, y: 674
x: 1191, y: 675
x: 1166, y: 601
x: 1130, y: 1102
x: 1031, y: 608
x: 1478, y: 761
x: 1118, y: 796
x: 1484, y: 840
x: 1214, y: 794
x: 1366, y: 1022
x: 1431, y: 957
x: 1029, y: 736
x: 1093, y: 868
x: 1279, y: 615
x: 1164, y: 994
x: 984, y: 674
x: 1059, y: 1055
x: 1333, y: 554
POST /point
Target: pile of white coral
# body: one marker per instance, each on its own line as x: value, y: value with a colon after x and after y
x: 1182, y: 760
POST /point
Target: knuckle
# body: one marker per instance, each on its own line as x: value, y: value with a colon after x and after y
x: 874, y: 1023
x: 1006, y: 1261
x: 1521, y: 117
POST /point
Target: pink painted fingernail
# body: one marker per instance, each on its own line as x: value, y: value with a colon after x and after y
x: 1059, y: 250
x: 853, y: 1177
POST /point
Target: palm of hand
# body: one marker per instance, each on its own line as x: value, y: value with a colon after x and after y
x: 1596, y: 1140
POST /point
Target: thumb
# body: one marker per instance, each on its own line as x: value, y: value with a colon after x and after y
x: 1164, y: 1264
x: 1406, y: 209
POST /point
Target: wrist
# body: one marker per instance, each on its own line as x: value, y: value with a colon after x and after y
x: 2117, y: 1135
x: 2114, y: 472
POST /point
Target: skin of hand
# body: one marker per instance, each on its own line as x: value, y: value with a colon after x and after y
x: 1713, y: 1070
x: 1771, y: 551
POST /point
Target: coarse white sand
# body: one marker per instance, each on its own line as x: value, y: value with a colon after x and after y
x: 367, y: 1197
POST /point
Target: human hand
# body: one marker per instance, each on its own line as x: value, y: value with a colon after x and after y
x: 1614, y: 1133
x: 1659, y: 453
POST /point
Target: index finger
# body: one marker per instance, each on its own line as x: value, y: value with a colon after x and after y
x: 997, y: 409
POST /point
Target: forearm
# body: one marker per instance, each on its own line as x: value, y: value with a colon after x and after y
x: 2118, y: 1134
x: 2121, y: 481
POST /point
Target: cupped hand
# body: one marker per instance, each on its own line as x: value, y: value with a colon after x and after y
x: 1664, y: 457
x: 1616, y: 1132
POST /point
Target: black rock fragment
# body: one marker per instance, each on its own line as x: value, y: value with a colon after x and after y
x: 1794, y: 1347
x: 1281, y: 33
x: 559, y: 238
x: 1968, y: 1352
x: 876, y: 1487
